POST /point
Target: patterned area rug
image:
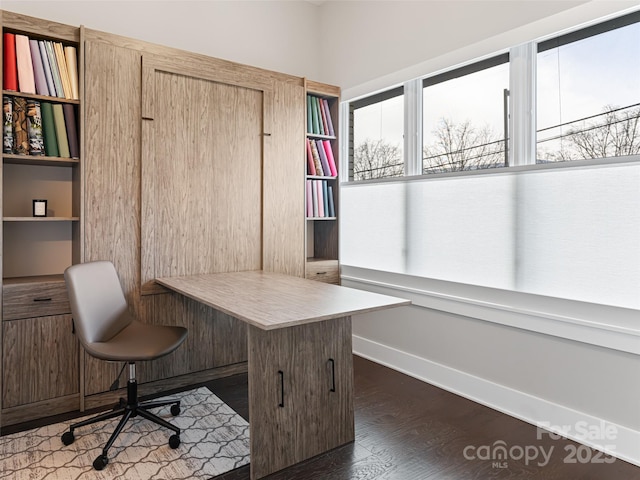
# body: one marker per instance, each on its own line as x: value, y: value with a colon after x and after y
x: 214, y: 440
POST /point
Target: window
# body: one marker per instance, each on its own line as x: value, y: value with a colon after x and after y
x: 465, y: 118
x: 571, y: 233
x: 588, y: 93
x: 376, y: 143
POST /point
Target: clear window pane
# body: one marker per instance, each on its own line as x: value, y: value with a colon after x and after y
x: 464, y: 121
x: 378, y: 139
x: 588, y: 97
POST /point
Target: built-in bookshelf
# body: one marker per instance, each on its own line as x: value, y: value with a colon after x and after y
x: 41, y: 147
x: 322, y: 182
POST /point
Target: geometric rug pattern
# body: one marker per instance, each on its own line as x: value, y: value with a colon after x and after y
x: 213, y: 440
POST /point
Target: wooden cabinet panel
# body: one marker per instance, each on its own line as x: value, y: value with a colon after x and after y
x: 294, y: 411
x: 202, y: 189
x: 39, y: 359
x: 34, y: 297
x: 112, y: 161
x: 327, y: 271
x: 284, y: 228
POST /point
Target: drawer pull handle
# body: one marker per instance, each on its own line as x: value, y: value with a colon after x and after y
x: 281, y: 374
x: 321, y: 273
x: 333, y: 375
x: 42, y: 299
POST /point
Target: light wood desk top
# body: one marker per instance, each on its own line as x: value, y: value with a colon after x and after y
x: 271, y: 300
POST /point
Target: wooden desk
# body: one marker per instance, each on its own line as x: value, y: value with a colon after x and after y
x: 300, y: 364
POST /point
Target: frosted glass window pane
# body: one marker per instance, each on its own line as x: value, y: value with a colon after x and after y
x: 460, y: 230
x: 372, y: 226
x: 570, y: 233
x: 579, y: 235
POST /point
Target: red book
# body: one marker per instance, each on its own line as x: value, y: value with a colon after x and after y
x: 10, y: 79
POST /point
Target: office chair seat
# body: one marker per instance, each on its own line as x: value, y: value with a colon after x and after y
x: 108, y: 331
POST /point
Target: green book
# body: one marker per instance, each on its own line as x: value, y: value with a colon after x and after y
x: 61, y: 130
x: 309, y: 115
x: 314, y: 116
x: 49, y: 130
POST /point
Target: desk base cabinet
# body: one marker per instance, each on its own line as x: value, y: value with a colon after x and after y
x: 300, y: 393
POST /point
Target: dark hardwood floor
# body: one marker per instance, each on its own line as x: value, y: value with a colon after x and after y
x: 409, y: 430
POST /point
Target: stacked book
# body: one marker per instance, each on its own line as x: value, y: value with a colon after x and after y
x: 41, y: 67
x: 319, y: 117
x: 34, y: 127
x: 320, y: 199
x: 320, y: 159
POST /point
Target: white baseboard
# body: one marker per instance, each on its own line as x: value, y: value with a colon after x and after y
x: 616, y: 440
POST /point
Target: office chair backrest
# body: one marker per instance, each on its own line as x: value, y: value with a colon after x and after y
x: 98, y: 305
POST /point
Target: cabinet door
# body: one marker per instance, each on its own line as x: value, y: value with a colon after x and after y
x: 300, y: 393
x: 39, y: 360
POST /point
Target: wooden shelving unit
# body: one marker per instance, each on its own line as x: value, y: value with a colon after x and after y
x: 40, y: 368
x: 322, y: 260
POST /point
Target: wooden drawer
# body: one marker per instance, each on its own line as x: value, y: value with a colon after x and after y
x: 28, y: 298
x: 327, y: 271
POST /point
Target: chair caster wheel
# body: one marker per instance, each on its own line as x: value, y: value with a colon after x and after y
x: 68, y: 438
x: 174, y: 441
x: 100, y: 462
x: 175, y: 410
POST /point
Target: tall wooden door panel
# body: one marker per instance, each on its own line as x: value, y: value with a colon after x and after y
x: 202, y: 172
x: 112, y: 164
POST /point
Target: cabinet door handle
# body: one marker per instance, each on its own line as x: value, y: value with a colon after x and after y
x: 333, y: 375
x: 42, y: 299
x: 281, y: 374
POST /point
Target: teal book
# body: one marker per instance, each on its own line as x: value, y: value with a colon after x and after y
x: 309, y: 115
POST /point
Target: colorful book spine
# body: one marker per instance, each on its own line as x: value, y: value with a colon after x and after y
x: 10, y: 72
x: 311, y: 166
x: 309, y: 203
x: 325, y: 199
x: 38, y: 69
x: 309, y: 115
x: 314, y: 198
x: 330, y: 131
x: 316, y: 158
x: 47, y: 68
x: 62, y: 68
x: 55, y: 72
x: 7, y: 130
x: 315, y: 129
x: 20, y: 132
x: 61, y: 130
x: 323, y: 158
x: 70, y: 56
x: 332, y: 208
x: 34, y: 127
x: 319, y: 199
x: 49, y: 130
x: 26, y: 82
x: 72, y: 130
x: 320, y: 116
x: 330, y: 159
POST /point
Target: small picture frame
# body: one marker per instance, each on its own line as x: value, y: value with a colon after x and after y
x: 39, y: 208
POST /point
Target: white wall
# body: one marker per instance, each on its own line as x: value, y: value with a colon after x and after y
x: 371, y: 45
x: 276, y: 35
